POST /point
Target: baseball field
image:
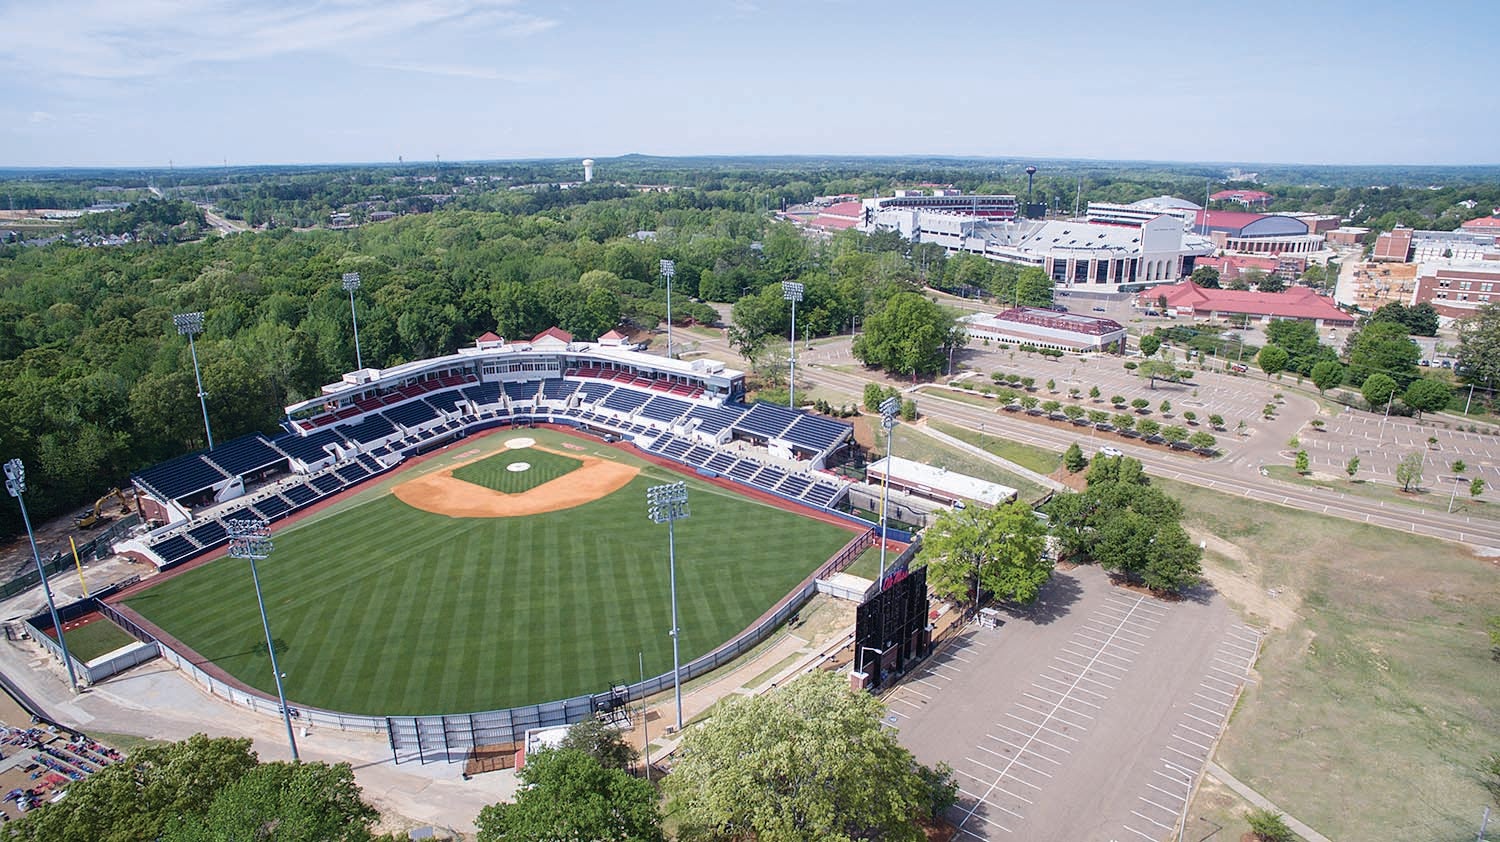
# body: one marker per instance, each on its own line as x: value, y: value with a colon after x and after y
x: 470, y: 583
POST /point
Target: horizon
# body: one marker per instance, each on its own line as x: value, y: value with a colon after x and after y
x: 317, y: 82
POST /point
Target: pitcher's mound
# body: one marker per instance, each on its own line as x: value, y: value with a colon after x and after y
x: 444, y: 494
x: 518, y: 443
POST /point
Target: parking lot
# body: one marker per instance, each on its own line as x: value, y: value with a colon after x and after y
x: 1380, y: 443
x: 1087, y: 717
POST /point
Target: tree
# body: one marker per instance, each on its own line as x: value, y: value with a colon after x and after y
x: 1033, y: 288
x: 1409, y: 471
x: 1094, y: 393
x: 1098, y: 416
x: 1073, y: 412
x: 999, y: 550
x: 1147, y: 427
x: 910, y: 335
x: 1149, y: 344
x: 810, y: 761
x: 1140, y: 404
x: 1029, y: 401
x: 1272, y: 359
x: 1427, y: 396
x: 1302, y: 462
x: 1476, y: 487
x: 1117, y: 400
x: 1299, y: 339
x: 909, y: 410
x: 1073, y: 458
x: 1202, y: 440
x: 1123, y: 421
x: 1327, y: 374
x: 1174, y: 434
x: 1271, y: 283
x: 873, y: 396
x: 1050, y: 407
x: 566, y: 794
x: 1377, y: 390
x: 1479, y: 347
x: 1165, y: 407
x: 1216, y: 421
x: 1190, y: 416
x: 288, y: 802
x: 602, y: 742
x: 1352, y: 467
x: 1269, y: 826
x: 1157, y: 369
x: 1052, y: 385
x: 124, y: 802
x: 1205, y: 276
x: 1382, y: 348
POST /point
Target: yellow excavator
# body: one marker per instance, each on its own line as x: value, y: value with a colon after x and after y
x: 91, y: 518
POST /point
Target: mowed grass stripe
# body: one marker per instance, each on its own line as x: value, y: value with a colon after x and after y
x: 494, y: 472
x: 384, y: 609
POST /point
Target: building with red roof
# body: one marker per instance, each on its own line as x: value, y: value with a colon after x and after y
x: 1482, y: 225
x: 1190, y: 300
x: 552, y: 337
x: 1232, y: 266
x: 838, y: 217
x: 1393, y: 245
x: 1245, y: 198
x: 1258, y: 233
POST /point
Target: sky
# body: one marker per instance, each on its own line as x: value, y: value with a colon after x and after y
x: 158, y: 82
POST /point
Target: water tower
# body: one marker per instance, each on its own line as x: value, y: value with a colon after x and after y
x: 588, y: 170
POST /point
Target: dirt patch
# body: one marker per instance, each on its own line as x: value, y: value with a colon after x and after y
x: 443, y: 494
x: 1276, y: 607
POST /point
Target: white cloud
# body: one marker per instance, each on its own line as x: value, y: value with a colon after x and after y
x: 40, y: 117
x: 111, y: 40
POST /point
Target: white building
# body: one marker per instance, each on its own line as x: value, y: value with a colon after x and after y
x: 1047, y: 329
x: 939, y: 484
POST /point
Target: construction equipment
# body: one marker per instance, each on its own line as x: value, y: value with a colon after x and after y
x: 95, y: 516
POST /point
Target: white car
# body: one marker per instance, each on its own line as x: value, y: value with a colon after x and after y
x: 1111, y: 451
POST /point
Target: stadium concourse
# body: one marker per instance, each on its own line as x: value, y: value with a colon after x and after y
x: 373, y: 420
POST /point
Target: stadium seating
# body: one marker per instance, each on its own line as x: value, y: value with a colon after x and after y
x: 664, y: 409
x: 245, y: 455
x: 180, y: 477
x: 720, y: 462
x: 271, y: 508
x: 483, y: 394
x: 373, y: 428
x: 794, y: 485
x: 624, y: 400
x: 411, y: 414
x: 591, y: 392
x: 446, y: 401
x: 766, y: 420
x: 300, y: 495
x: 351, y: 473
x: 308, y: 448
x: 327, y: 483
x: 714, y: 419
x: 175, y: 548
x: 209, y: 534
x: 558, y: 390
x: 816, y: 434
x: 519, y: 392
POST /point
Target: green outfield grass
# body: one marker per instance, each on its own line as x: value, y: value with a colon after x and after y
x: 494, y: 472
x: 383, y: 609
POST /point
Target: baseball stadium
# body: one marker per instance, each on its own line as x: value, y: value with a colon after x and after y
x: 462, y: 547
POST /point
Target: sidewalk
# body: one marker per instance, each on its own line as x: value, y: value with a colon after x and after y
x: 1264, y: 803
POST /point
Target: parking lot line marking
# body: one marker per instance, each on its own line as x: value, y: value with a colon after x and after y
x: 936, y: 665
x: 1153, y: 821
x: 1016, y: 761
x: 1201, y: 719
x: 928, y: 683
x: 1198, y: 732
x: 1183, y: 769
x: 1020, y: 751
x: 1003, y: 775
x: 1211, y: 700
x: 1218, y: 713
x: 1048, y: 716
x: 1143, y: 637
x: 1238, y: 674
x: 956, y: 658
x: 1236, y: 664
x: 1214, y: 690
x: 1080, y: 689
x: 1247, y: 650
x: 908, y: 688
x: 1034, y: 738
x: 1142, y: 835
x: 1057, y: 706
x: 1165, y: 792
x: 1047, y: 702
x: 1234, y: 684
x: 1196, y: 758
x: 1190, y: 742
x: 1156, y: 805
x: 906, y: 701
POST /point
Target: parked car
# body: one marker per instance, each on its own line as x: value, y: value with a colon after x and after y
x: 1239, y: 368
x: 1099, y: 310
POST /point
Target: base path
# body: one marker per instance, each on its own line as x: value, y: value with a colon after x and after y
x: 444, y: 494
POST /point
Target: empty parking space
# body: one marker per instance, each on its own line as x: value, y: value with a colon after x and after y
x: 1055, y: 723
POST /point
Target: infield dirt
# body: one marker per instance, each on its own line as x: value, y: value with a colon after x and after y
x: 444, y: 494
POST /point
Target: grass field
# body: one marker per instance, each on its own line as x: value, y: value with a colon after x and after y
x: 1376, y: 698
x: 380, y: 608
x: 494, y: 473
x: 91, y: 640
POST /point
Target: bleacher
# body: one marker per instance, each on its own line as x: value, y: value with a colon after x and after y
x: 483, y: 394
x: 271, y: 508
x: 816, y: 434
x: 411, y: 414
x: 659, y: 408
x: 794, y: 485
x: 719, y: 462
x: 370, y: 462
x: 446, y: 401
x: 372, y: 428
x: 175, y: 548
x: 766, y: 420
x: 821, y: 494
x: 524, y: 392
x: 177, y: 478
x: 624, y: 401
x: 327, y: 483
x: 558, y: 390
x: 714, y: 419
x: 351, y: 473
x: 245, y: 455
x: 301, y: 495
x: 308, y: 448
x: 591, y: 392
x: 209, y: 534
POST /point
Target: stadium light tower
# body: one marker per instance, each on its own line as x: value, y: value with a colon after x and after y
x: 668, y: 270
x: 250, y: 539
x: 888, y: 409
x: 15, y: 483
x: 351, y: 283
x: 792, y: 291
x: 669, y: 504
x: 190, y: 325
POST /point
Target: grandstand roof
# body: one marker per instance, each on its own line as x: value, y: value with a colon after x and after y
x: 1295, y: 303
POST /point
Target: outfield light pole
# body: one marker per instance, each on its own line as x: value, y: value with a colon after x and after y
x: 190, y: 325
x: 888, y: 409
x: 250, y: 539
x: 15, y: 483
x: 351, y: 283
x: 668, y: 271
x: 792, y: 291
x: 669, y: 504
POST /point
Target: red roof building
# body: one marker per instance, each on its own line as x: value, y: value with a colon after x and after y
x: 1393, y: 245
x: 1189, y: 299
x: 489, y: 336
x: 552, y: 336
x: 1482, y: 225
x: 838, y: 217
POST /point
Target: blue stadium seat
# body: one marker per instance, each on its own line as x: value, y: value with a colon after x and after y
x: 308, y: 448
x: 411, y: 414
x: 300, y: 495
x: 766, y: 420
x: 327, y: 483
x: 664, y: 409
x: 245, y: 455
x: 175, y: 549
x: 373, y: 428
x: 625, y: 400
x: 209, y: 534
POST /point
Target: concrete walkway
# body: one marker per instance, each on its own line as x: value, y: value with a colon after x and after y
x: 1264, y: 803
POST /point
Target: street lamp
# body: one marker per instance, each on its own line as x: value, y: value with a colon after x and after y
x: 863, y: 664
x: 190, y: 325
x: 668, y: 270
x: 250, y: 539
x: 351, y: 283
x: 15, y: 483
x: 888, y: 409
x: 669, y: 504
x: 792, y: 291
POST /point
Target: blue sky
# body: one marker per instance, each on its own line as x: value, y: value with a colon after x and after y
x: 144, y: 82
